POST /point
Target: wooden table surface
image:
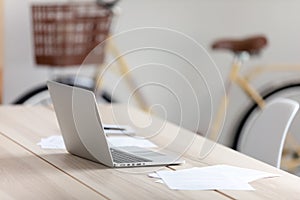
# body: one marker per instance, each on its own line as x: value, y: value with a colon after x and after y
x: 29, y: 172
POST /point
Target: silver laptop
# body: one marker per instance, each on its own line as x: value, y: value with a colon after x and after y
x: 83, y: 133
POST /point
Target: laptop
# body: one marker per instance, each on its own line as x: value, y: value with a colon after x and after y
x: 84, y: 136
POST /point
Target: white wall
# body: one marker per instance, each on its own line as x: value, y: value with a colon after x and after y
x: 202, y: 20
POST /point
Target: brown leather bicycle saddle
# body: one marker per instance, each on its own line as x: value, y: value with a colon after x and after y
x: 252, y: 45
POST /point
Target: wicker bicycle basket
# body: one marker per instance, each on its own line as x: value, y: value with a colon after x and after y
x: 64, y: 34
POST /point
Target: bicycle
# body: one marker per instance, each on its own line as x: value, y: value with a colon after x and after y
x: 243, y: 49
x: 65, y: 35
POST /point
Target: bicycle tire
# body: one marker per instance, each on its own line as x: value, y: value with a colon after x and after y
x: 34, y: 93
x: 30, y: 94
x: 266, y: 95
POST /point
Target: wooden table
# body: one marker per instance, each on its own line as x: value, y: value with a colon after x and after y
x: 29, y: 172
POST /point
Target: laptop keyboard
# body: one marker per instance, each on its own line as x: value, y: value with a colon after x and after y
x: 123, y: 157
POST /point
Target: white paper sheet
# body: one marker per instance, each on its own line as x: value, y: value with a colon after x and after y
x: 195, y: 179
x: 123, y: 141
x: 218, y: 177
x: 52, y: 142
x: 244, y: 174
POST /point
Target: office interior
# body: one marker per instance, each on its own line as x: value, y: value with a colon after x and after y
x: 168, y: 48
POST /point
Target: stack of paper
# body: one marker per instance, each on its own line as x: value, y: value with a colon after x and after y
x: 218, y: 177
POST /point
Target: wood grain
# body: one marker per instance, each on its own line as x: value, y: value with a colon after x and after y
x: 24, y: 176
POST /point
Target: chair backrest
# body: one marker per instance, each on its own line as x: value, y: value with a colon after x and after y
x: 263, y: 138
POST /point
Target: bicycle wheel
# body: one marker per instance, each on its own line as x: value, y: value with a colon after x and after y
x: 288, y: 90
